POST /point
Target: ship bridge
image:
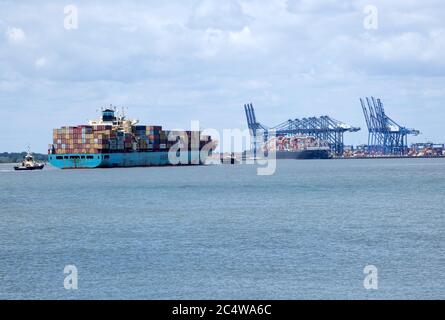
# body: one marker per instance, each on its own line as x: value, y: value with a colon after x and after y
x: 108, y: 115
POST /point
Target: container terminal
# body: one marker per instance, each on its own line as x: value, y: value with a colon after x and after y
x: 323, y: 137
x: 114, y: 141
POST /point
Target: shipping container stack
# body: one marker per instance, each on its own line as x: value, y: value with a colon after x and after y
x: 109, y: 139
x: 294, y: 143
x: 81, y: 139
x: 149, y: 138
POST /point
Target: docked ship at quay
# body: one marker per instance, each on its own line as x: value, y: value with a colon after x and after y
x: 113, y: 141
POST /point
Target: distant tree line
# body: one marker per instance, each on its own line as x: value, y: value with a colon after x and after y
x: 14, y: 157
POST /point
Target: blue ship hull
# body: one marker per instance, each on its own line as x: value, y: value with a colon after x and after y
x: 116, y: 160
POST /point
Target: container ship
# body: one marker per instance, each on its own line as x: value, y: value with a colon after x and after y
x: 298, y: 147
x: 113, y: 141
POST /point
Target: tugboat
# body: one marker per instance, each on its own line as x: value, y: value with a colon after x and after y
x: 28, y: 163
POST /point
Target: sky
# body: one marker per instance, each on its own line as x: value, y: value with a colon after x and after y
x: 170, y: 62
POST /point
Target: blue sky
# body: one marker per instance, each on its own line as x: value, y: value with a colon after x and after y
x: 171, y: 62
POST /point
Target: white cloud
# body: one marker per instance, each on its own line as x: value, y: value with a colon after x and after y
x: 318, y: 6
x: 242, y: 37
x: 15, y: 35
x: 182, y: 58
x: 40, y: 62
x: 228, y: 44
x: 217, y: 14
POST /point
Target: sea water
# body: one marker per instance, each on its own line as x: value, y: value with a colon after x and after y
x: 223, y: 232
